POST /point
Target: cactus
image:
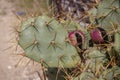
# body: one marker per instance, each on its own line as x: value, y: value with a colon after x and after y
x: 117, y: 42
x: 106, y: 16
x: 110, y: 74
x: 44, y: 39
x: 81, y: 53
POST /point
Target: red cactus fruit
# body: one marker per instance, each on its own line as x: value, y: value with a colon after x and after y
x: 99, y: 35
x: 77, y: 38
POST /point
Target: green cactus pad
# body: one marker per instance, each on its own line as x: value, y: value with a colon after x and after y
x: 117, y: 42
x: 45, y: 40
x: 108, y: 14
x: 97, y: 59
x: 111, y: 74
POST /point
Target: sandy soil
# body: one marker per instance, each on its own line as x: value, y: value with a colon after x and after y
x: 8, y: 60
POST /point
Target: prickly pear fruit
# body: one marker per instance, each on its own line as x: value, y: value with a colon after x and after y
x: 99, y: 35
x: 72, y: 27
x: 77, y: 38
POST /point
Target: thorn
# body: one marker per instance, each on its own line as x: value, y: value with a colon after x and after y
x: 19, y: 61
x: 67, y: 41
x: 29, y: 46
x: 33, y: 25
x: 33, y: 47
x: 36, y: 43
x: 53, y: 41
x: 38, y: 48
x: 27, y: 62
x: 21, y: 54
x: 86, y: 67
x: 61, y: 57
x: 43, y: 62
x: 16, y: 31
x: 16, y: 47
x: 25, y: 28
x: 54, y: 45
x: 48, y: 25
x: 105, y: 16
x: 57, y: 73
x: 44, y: 73
x: 96, y: 21
x: 18, y: 17
x: 55, y: 37
x: 67, y: 77
x: 74, y: 57
x: 8, y: 48
x: 39, y: 75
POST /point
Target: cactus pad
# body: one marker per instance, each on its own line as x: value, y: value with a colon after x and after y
x: 45, y: 40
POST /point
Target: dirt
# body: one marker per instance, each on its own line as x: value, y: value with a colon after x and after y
x: 8, y: 57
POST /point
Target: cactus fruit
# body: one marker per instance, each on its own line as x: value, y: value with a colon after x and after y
x: 45, y: 40
x: 73, y: 27
x: 106, y: 15
x: 77, y: 38
x: 99, y: 35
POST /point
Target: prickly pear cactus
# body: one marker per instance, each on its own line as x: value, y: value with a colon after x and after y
x: 97, y: 67
x: 45, y: 40
x: 81, y: 53
x: 109, y: 74
x: 106, y: 16
x: 108, y: 13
